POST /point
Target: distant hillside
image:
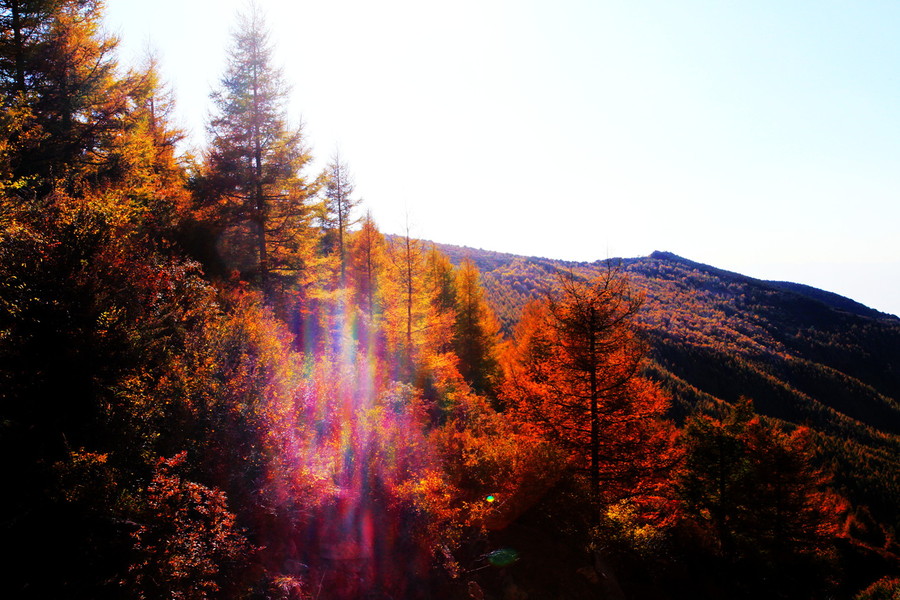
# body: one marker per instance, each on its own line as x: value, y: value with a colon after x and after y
x: 804, y: 355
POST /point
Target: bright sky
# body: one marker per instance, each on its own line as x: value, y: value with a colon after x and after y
x: 761, y: 137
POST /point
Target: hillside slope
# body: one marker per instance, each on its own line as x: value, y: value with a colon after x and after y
x: 804, y: 355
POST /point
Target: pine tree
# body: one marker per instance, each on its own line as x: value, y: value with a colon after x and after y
x: 253, y: 188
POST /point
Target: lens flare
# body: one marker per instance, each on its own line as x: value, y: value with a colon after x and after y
x: 354, y: 467
x: 503, y: 557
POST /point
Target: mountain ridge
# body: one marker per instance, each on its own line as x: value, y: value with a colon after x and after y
x: 458, y: 252
x: 833, y: 299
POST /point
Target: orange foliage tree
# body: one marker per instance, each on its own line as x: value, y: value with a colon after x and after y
x: 367, y: 264
x: 572, y: 374
x: 417, y: 327
x: 337, y: 210
x: 58, y: 68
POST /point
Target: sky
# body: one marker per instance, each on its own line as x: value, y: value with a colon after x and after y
x: 760, y: 137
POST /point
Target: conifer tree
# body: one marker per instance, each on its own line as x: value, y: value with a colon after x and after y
x: 367, y: 248
x: 406, y: 307
x: 57, y: 68
x: 254, y: 188
x: 417, y: 328
x: 338, y: 207
x: 142, y: 156
x: 476, y: 334
x: 572, y: 372
x: 441, y: 280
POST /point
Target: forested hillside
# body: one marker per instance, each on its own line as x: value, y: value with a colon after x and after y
x: 219, y: 379
x: 803, y: 355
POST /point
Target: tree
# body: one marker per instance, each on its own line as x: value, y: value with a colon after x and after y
x: 17, y: 21
x: 339, y: 205
x: 367, y: 264
x: 755, y: 490
x: 476, y: 335
x: 572, y: 372
x: 418, y: 323
x: 57, y: 69
x: 253, y: 187
x: 142, y: 159
x: 406, y: 306
x: 440, y: 280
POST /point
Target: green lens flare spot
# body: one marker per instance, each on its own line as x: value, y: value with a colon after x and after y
x: 490, y: 498
x: 503, y: 557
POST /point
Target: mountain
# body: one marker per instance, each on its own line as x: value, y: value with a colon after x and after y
x: 805, y: 356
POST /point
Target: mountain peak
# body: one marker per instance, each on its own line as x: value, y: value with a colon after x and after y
x: 666, y: 255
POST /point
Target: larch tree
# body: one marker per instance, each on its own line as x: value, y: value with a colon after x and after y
x: 338, y: 207
x: 441, y: 280
x: 417, y: 328
x: 367, y: 248
x: 440, y: 287
x: 572, y: 372
x: 58, y: 72
x: 405, y: 306
x: 142, y: 155
x: 476, y: 335
x: 254, y: 187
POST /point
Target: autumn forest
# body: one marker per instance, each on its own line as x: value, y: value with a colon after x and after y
x: 220, y: 379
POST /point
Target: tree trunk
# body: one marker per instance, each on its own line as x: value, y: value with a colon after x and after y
x: 409, y: 304
x: 259, y: 202
x: 595, y: 412
x: 18, y: 49
x: 340, y: 215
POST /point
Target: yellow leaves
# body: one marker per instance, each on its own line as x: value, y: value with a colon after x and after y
x: 17, y: 130
x: 366, y: 268
x: 623, y: 524
x: 430, y: 492
x: 433, y: 499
